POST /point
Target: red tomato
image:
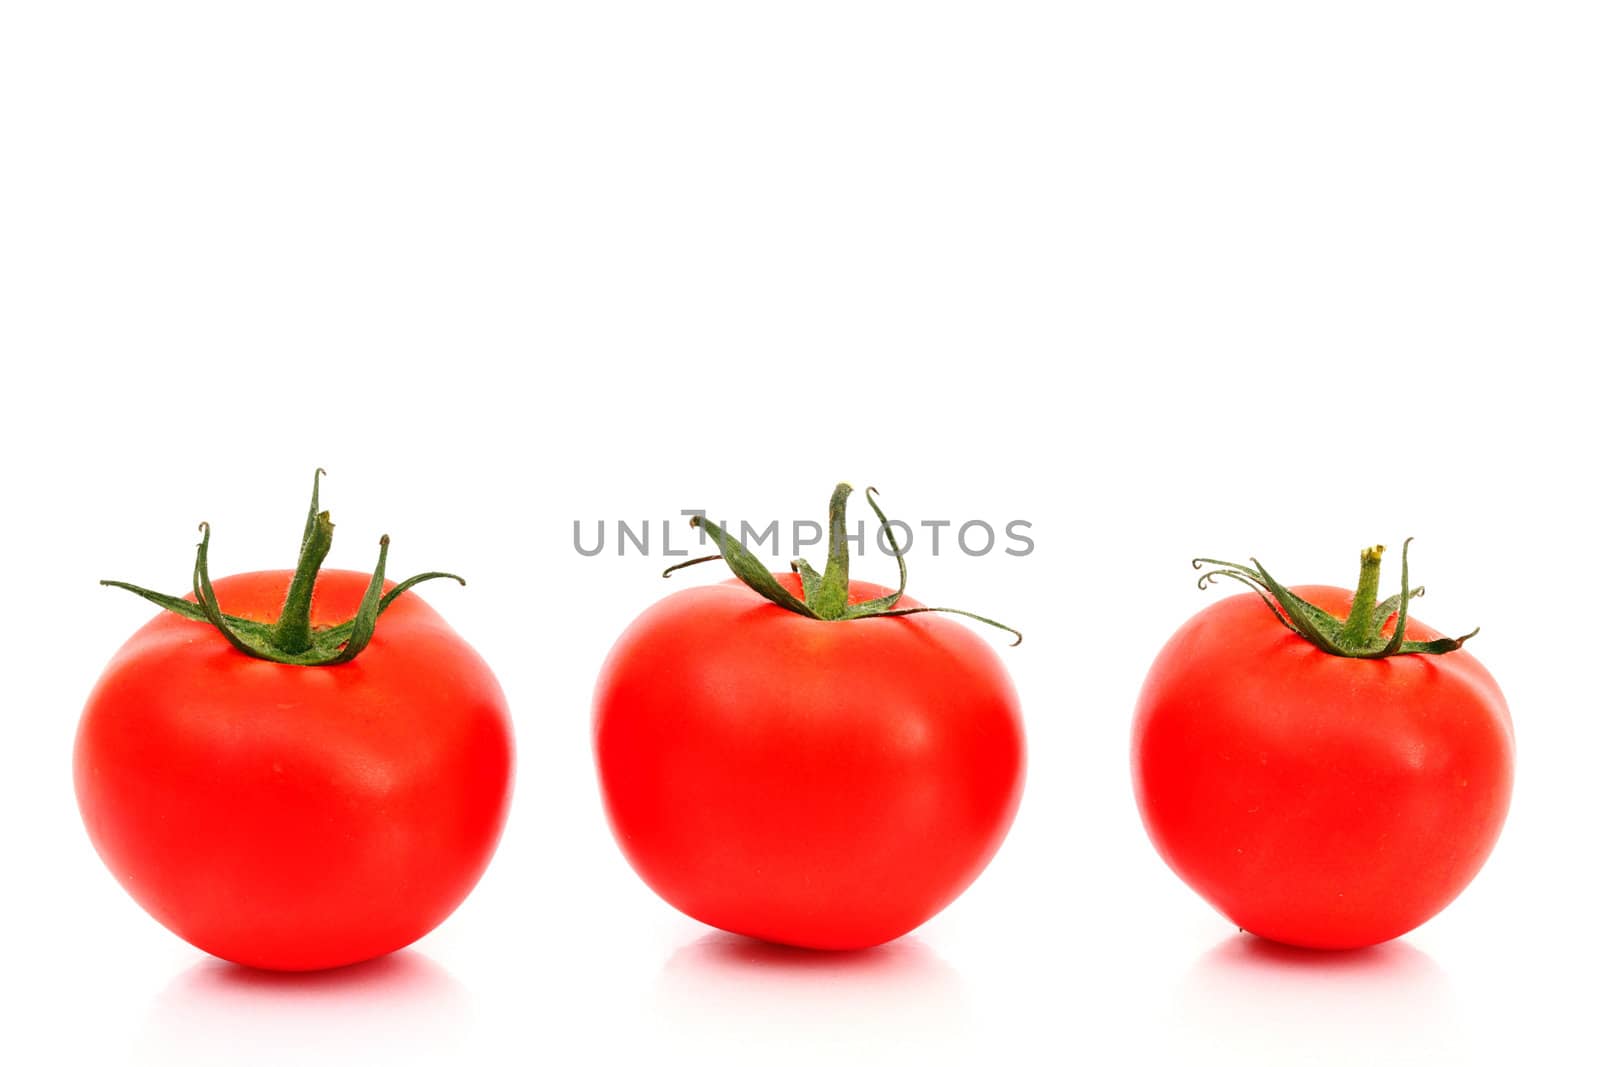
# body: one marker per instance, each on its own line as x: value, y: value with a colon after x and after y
x: 296, y: 817
x: 828, y: 784
x: 1314, y: 799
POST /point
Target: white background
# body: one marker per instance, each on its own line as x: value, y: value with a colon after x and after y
x: 1162, y: 279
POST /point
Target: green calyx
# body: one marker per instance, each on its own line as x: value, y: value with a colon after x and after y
x: 826, y: 595
x: 292, y: 639
x: 1359, y: 635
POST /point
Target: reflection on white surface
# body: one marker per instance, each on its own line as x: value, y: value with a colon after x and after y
x: 1256, y: 1000
x: 723, y: 997
x: 400, y: 1006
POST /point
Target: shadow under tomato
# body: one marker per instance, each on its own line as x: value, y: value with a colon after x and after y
x: 723, y: 951
x: 722, y: 996
x: 1248, y: 997
x: 1391, y: 961
x: 403, y: 970
x: 399, y: 1006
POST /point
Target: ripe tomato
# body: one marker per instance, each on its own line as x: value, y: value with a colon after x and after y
x: 827, y: 783
x: 296, y: 817
x: 1322, y: 799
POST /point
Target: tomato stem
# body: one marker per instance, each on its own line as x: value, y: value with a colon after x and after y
x: 826, y: 596
x: 292, y: 633
x: 1360, y: 634
x: 832, y: 593
x: 292, y: 639
x: 1360, y: 626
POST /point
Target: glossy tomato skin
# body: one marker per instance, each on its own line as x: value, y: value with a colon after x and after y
x: 1317, y: 800
x: 829, y: 785
x: 296, y: 818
